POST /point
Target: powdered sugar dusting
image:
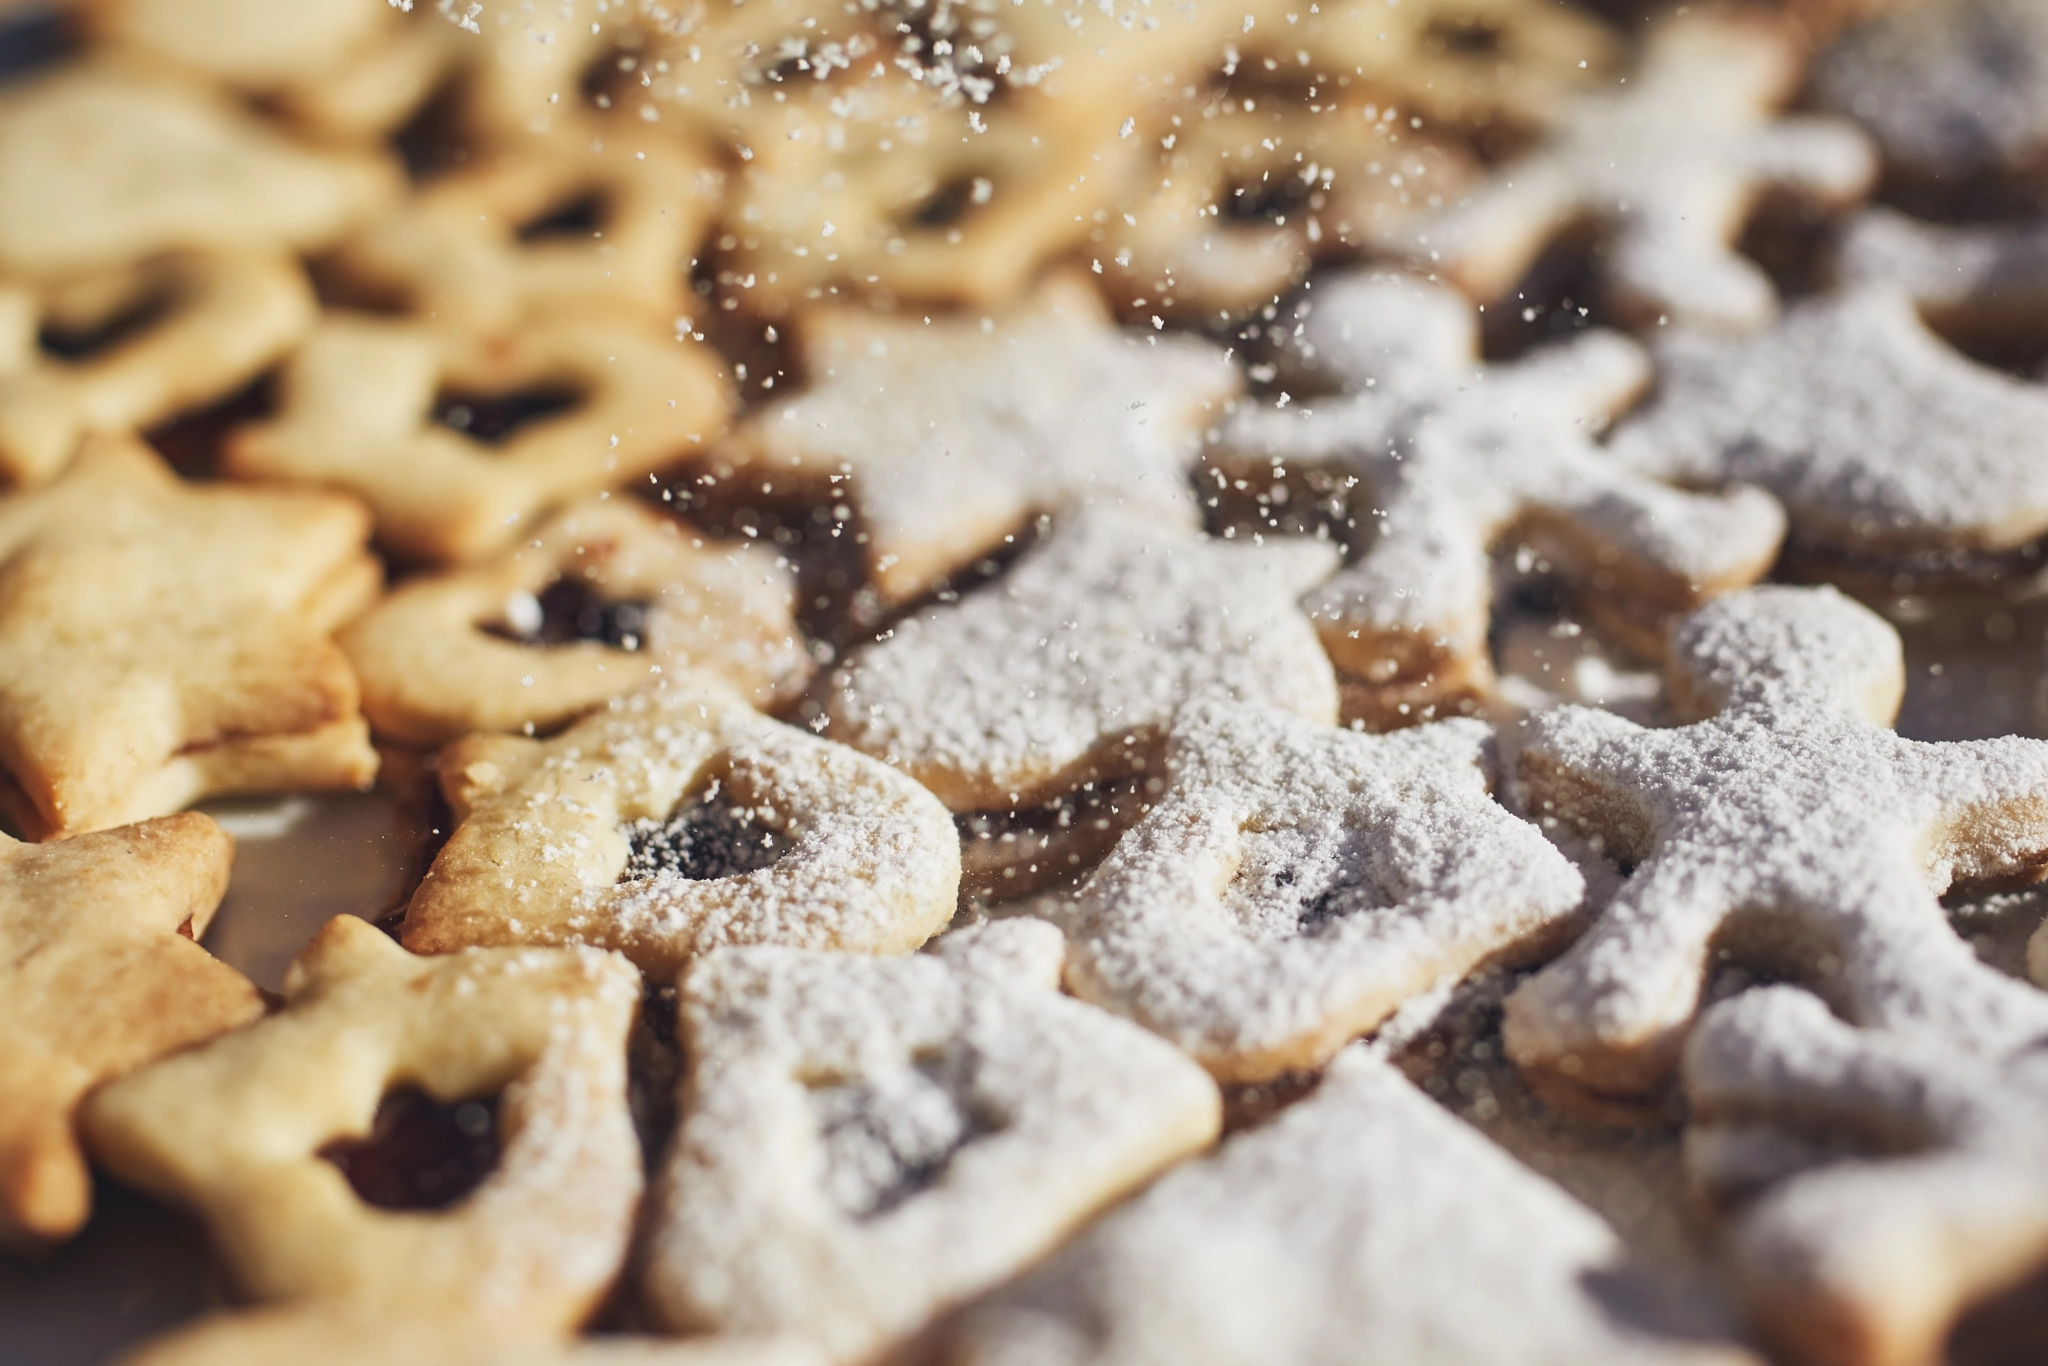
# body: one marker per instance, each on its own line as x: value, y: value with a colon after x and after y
x: 1966, y: 269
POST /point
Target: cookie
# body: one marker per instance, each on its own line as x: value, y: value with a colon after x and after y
x: 1296, y: 882
x: 950, y: 435
x: 100, y: 975
x: 1454, y: 457
x: 125, y: 349
x: 271, y: 1134
x: 162, y: 642
x: 868, y: 1141
x: 1066, y: 668
x: 606, y: 596
x: 1357, y: 1225
x: 1893, y: 454
x: 1968, y: 279
x: 106, y: 162
x: 1670, y: 165
x: 459, y: 441
x: 1901, y: 1182
x: 558, y: 225
x: 679, y: 820
x: 1789, y: 831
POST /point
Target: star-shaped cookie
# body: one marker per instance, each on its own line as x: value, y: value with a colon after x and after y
x: 162, y: 641
x: 1454, y: 456
x: 99, y: 973
x: 950, y: 434
x: 1670, y: 163
x: 1789, y: 830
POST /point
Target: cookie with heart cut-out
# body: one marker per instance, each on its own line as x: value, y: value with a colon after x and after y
x: 418, y: 1135
x: 679, y: 820
x: 866, y: 1142
x: 101, y: 975
x: 459, y: 441
x: 161, y: 642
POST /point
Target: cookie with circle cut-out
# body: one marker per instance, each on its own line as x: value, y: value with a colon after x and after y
x: 161, y: 642
x: 1296, y: 882
x: 950, y: 434
x: 1670, y: 164
x: 273, y: 1136
x: 1893, y: 453
x: 1788, y: 828
x: 106, y: 162
x: 459, y: 441
x: 603, y: 598
x: 1067, y: 667
x: 556, y: 225
x: 124, y: 349
x: 101, y: 975
x: 1984, y: 280
x: 678, y: 820
x: 1364, y: 1223
x: 866, y: 1142
x: 1896, y: 1183
x: 1454, y: 457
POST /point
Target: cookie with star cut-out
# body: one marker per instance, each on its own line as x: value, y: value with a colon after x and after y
x: 944, y: 437
x: 99, y: 973
x: 1454, y: 457
x: 161, y: 642
x: 866, y: 1141
x: 1670, y: 165
x: 1883, y: 1184
x: 1787, y: 829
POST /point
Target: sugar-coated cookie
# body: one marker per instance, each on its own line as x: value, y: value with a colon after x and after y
x: 1968, y: 278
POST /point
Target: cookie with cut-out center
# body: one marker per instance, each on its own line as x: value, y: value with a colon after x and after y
x: 604, y: 597
x: 1455, y: 456
x: 1296, y: 882
x: 1896, y: 1182
x: 1789, y: 829
x: 161, y: 642
x: 1363, y: 1223
x: 105, y: 162
x: 678, y: 820
x: 312, y: 1190
x: 1070, y: 665
x: 458, y: 441
x: 948, y: 435
x: 1670, y: 164
x: 125, y: 349
x: 99, y: 974
x: 868, y: 1141
x: 1892, y: 452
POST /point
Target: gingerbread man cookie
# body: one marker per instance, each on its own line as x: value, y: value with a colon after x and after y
x: 99, y: 974
x: 1454, y: 456
x: 868, y: 1141
x: 1671, y: 164
x: 161, y: 642
x: 1901, y: 1181
x: 457, y: 440
x: 262, y: 1132
x: 1789, y: 829
x: 124, y: 349
x: 1364, y: 1223
x: 604, y: 597
x: 1296, y: 882
x: 1068, y: 666
x: 678, y: 820
x: 953, y: 433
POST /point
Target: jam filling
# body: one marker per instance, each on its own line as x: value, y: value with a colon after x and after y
x: 420, y: 1153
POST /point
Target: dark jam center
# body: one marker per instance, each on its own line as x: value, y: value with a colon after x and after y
x: 580, y: 217
x: 887, y: 1138
x: 495, y: 418
x: 571, y: 610
x: 420, y: 1153
x: 703, y: 841
x: 74, y: 340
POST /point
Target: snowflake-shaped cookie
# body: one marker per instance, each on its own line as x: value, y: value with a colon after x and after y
x: 1790, y: 829
x: 1902, y: 1181
x: 868, y: 1141
x: 1454, y: 455
x: 952, y: 433
x: 1071, y: 664
x: 1671, y: 164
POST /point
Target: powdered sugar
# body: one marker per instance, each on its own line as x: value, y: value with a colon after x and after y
x: 1962, y: 270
